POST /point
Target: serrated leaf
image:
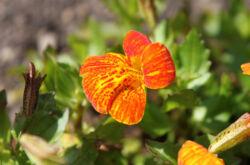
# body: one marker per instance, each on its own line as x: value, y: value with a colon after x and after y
x: 155, y: 123
x: 85, y: 155
x: 63, y: 79
x: 194, y: 61
x: 233, y: 135
x: 65, y: 84
x: 49, y: 123
x: 166, y: 151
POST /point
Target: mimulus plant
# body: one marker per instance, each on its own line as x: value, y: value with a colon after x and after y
x: 115, y: 83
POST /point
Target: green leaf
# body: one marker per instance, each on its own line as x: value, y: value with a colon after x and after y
x: 97, y: 44
x: 146, y: 159
x: 78, y: 46
x: 162, y: 34
x: 194, y: 61
x: 49, y: 69
x: 130, y: 146
x: 243, y: 19
x: 110, y: 130
x: 61, y: 126
x: 49, y: 123
x: 65, y: 84
x: 204, y: 140
x: 46, y: 103
x: 64, y: 79
x: 121, y: 9
x: 5, y: 154
x: 113, y: 157
x: 4, y: 118
x: 155, y: 123
x: 183, y: 99
x: 85, y: 155
x: 166, y: 151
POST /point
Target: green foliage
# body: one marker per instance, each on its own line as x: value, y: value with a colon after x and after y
x: 155, y: 123
x: 183, y: 99
x: 194, y: 62
x: 109, y: 130
x: 5, y: 123
x: 85, y: 155
x: 53, y: 121
x: 166, y: 151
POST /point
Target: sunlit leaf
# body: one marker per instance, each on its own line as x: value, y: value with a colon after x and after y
x: 194, y: 61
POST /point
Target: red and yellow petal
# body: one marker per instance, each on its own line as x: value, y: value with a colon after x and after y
x: 158, y: 66
x: 129, y: 105
x: 102, y: 64
x: 246, y: 68
x: 104, y: 77
x: 134, y: 44
x: 192, y: 153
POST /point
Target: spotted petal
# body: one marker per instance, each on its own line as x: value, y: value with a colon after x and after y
x: 104, y: 77
x: 192, y: 153
x: 158, y: 66
x: 129, y: 105
x: 246, y: 68
x: 134, y: 44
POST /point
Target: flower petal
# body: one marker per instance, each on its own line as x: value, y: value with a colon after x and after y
x: 100, y: 64
x: 129, y: 105
x: 246, y: 68
x: 192, y: 153
x: 104, y: 77
x: 134, y: 44
x: 158, y: 66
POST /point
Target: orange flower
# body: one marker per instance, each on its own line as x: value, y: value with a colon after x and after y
x: 192, y: 153
x: 114, y: 83
x: 246, y: 68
